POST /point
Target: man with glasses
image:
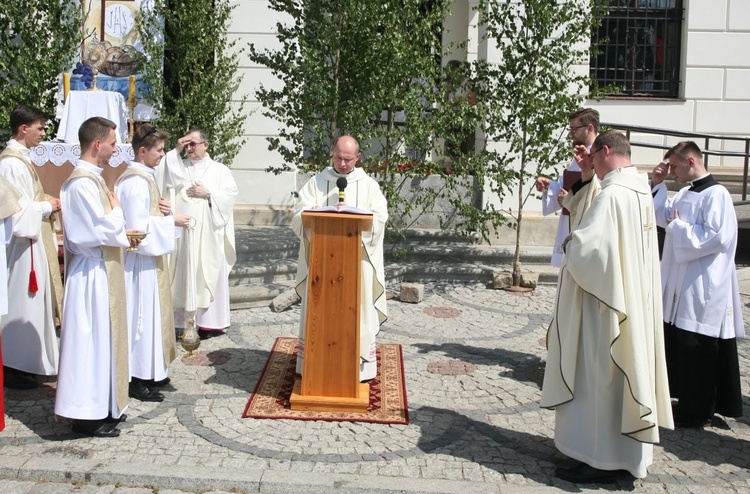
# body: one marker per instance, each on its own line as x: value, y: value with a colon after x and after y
x: 361, y: 192
x: 606, y: 373
x: 702, y: 306
x: 584, y: 127
x: 205, y: 191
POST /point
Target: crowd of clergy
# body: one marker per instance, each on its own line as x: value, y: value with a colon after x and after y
x: 126, y: 259
x: 640, y: 338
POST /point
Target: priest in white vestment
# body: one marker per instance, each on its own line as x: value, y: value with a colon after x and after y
x: 204, y: 190
x: 12, y: 203
x: 584, y: 127
x: 92, y: 385
x: 364, y: 193
x: 28, y: 329
x: 149, y: 295
x: 606, y: 373
x: 702, y: 306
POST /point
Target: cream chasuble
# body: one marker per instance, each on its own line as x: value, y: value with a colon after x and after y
x: 362, y: 192
x: 214, y: 237
x: 94, y: 373
x: 606, y: 372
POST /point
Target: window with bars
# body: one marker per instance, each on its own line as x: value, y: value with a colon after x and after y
x: 639, y: 44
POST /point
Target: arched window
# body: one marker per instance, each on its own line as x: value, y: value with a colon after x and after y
x: 639, y: 45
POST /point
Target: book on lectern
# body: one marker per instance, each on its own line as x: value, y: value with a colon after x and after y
x: 340, y: 209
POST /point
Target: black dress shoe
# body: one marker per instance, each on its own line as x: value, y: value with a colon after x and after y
x: 16, y: 379
x: 690, y: 423
x: 111, y: 420
x: 586, y: 474
x: 205, y: 334
x: 140, y: 391
x: 158, y: 384
x: 95, y: 428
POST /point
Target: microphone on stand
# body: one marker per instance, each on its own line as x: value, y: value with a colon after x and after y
x: 341, y: 184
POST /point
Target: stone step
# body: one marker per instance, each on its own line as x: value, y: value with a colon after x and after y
x: 262, y: 243
x: 250, y: 272
x: 251, y: 296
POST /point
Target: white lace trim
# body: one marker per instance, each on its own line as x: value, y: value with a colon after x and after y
x: 60, y: 152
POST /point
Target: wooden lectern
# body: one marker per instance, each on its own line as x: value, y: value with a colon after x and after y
x: 330, y: 372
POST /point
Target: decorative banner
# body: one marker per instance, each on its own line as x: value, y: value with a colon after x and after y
x: 111, y: 47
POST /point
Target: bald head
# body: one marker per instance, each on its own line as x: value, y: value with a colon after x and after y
x: 345, y: 154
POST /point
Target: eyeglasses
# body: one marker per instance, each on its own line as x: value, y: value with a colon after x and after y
x: 596, y: 151
x: 573, y: 129
x: 194, y: 144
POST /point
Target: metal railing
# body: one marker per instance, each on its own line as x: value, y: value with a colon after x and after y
x: 698, y: 138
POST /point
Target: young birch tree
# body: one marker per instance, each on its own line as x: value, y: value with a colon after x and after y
x: 38, y: 41
x: 537, y: 80
x: 369, y: 68
x: 191, y: 68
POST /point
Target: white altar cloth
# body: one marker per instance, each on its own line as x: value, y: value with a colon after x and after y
x: 82, y: 105
x: 58, y: 153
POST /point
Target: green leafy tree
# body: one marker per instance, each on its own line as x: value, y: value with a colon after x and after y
x: 526, y: 97
x: 191, y: 68
x: 38, y: 40
x: 370, y: 69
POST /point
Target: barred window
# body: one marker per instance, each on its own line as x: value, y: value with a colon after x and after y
x: 639, y: 48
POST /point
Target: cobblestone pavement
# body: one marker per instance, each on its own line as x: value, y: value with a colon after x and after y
x: 474, y: 362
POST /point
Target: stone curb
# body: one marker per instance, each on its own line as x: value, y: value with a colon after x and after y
x: 195, y: 479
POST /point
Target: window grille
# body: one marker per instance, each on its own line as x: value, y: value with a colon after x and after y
x: 639, y: 43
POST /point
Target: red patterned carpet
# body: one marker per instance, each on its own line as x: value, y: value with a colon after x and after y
x: 270, y: 399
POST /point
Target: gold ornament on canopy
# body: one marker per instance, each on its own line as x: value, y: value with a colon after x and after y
x: 94, y: 57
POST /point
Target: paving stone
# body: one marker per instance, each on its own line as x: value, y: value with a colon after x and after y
x: 478, y: 428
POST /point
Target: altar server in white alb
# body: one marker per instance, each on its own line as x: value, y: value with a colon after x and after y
x: 364, y: 193
x: 149, y: 296
x: 28, y: 330
x: 584, y: 127
x: 204, y: 190
x: 702, y: 306
x: 12, y: 203
x: 92, y: 386
x: 606, y: 374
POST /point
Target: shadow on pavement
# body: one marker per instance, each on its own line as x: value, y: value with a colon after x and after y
x: 508, y: 452
x: 524, y: 367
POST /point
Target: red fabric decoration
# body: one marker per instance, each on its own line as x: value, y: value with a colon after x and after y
x: 33, y: 287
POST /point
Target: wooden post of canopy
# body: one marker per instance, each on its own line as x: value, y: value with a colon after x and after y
x: 330, y: 372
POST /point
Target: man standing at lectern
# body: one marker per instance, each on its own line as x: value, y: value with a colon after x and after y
x: 362, y: 192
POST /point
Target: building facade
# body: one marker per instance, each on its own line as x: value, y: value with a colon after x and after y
x: 684, y: 66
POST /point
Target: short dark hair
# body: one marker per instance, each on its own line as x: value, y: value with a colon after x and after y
x: 587, y: 116
x: 686, y: 149
x: 25, y: 115
x: 94, y: 128
x: 614, y: 140
x: 201, y: 132
x: 147, y: 136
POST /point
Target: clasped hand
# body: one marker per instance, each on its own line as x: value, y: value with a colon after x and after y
x: 198, y: 191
